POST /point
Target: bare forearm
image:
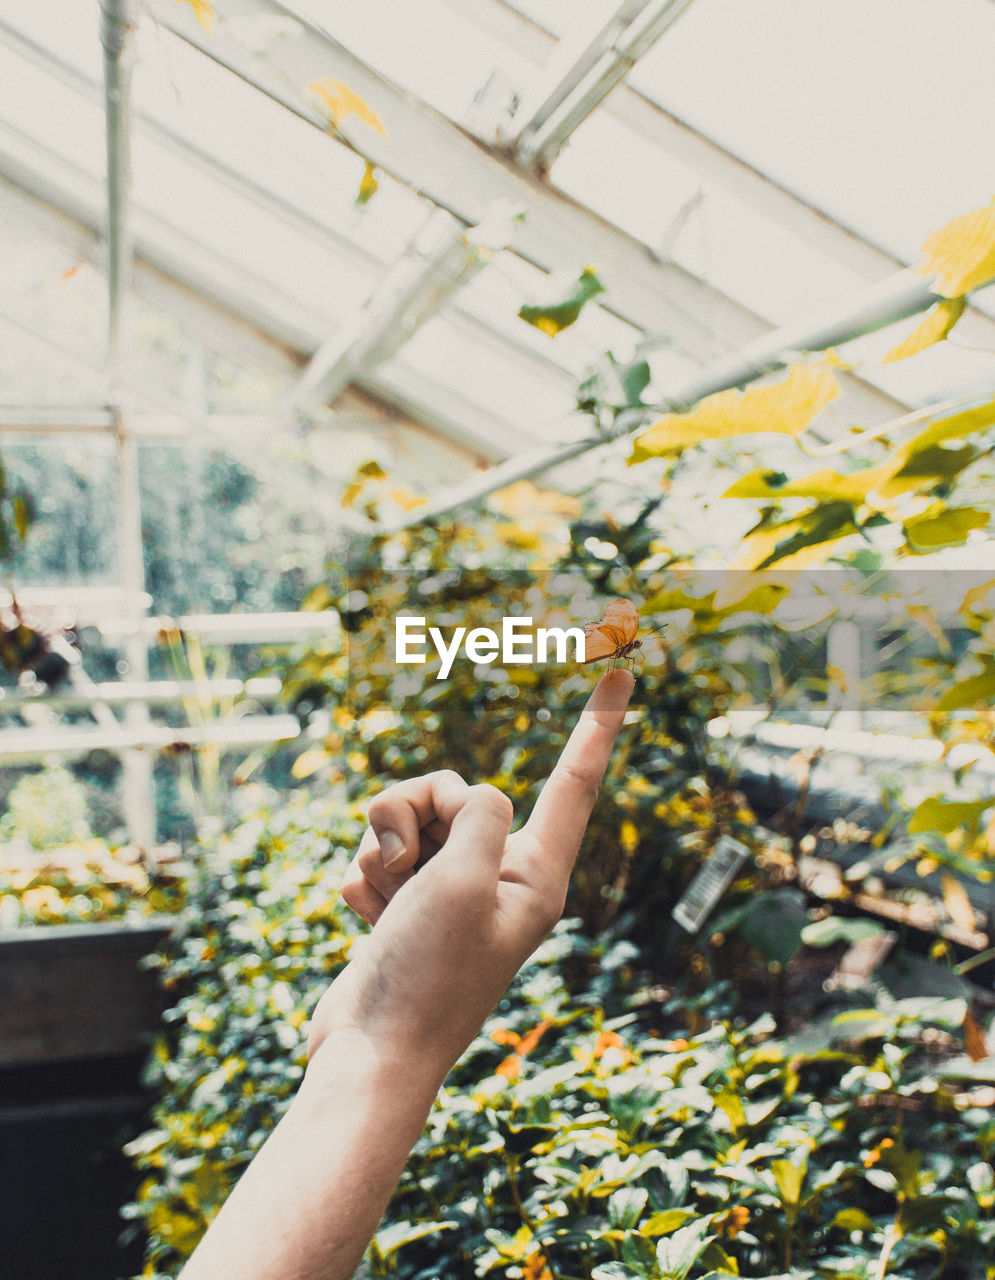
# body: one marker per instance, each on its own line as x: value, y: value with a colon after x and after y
x: 313, y: 1196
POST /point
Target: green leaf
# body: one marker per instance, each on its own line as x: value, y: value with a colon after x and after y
x: 940, y: 527
x: 937, y: 814
x: 773, y: 923
x: 635, y: 380
x: 392, y: 1238
x: 553, y: 317
x: 855, y: 1220
x: 936, y: 1011
x: 924, y: 468
x: 823, y: 933
x: 972, y: 691
x: 677, y: 1254
x: 520, y: 1139
x: 785, y: 407
x: 625, y: 1206
x: 788, y: 1178
x: 822, y: 524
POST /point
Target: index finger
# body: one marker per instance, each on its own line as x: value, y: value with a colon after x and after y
x: 560, y: 816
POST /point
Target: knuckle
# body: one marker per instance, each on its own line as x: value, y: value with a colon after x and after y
x: 351, y: 894
x: 367, y: 860
x: 484, y: 796
x: 580, y: 781
x: 379, y: 807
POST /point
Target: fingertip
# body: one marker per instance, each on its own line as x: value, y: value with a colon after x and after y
x: 613, y: 691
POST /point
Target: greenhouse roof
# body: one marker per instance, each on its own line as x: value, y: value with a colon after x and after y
x: 331, y: 213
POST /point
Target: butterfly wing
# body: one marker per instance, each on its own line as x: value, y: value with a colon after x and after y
x: 621, y: 616
x: 617, y: 628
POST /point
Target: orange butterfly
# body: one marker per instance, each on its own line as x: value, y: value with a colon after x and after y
x: 614, y: 637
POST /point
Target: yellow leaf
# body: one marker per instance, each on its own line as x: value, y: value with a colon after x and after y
x: 405, y: 498
x: 204, y: 12
x: 785, y: 407
x: 309, y: 762
x: 368, y: 185
x: 828, y: 485
x: 339, y: 103
x: 962, y: 254
x: 789, y: 1177
x: 961, y: 424
x: 629, y: 835
x: 525, y: 499
x: 978, y: 603
x: 957, y: 903
x: 938, y: 323
x: 351, y: 492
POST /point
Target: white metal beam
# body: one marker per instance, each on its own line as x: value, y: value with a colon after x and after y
x: 437, y: 159
x: 505, y: 21
x: 244, y: 188
x: 440, y: 260
x: 648, y: 288
x: 19, y: 745
x: 230, y: 286
x: 580, y: 78
x: 226, y: 285
x: 117, y: 24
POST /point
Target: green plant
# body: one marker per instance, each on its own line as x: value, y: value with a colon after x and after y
x: 260, y: 936
x: 47, y: 809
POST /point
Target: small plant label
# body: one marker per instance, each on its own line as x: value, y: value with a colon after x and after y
x: 698, y: 900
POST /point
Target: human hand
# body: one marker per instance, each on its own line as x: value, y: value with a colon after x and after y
x: 458, y: 902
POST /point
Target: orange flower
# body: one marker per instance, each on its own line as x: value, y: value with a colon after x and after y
x: 535, y: 1268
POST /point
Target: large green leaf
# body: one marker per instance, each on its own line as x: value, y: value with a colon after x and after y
x: 936, y: 814
x: 677, y: 1254
x: 972, y: 691
x: 941, y: 526
x: 826, y: 523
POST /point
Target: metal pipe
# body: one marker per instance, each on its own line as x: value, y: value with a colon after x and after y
x: 117, y: 21
x: 600, y: 66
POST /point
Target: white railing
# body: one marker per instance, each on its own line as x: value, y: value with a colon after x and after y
x: 227, y: 723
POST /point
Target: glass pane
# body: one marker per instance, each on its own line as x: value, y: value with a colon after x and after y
x: 879, y: 114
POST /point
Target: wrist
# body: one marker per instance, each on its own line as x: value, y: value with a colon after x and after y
x: 346, y: 1032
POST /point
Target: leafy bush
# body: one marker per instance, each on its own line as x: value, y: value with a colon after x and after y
x: 47, y: 809
x: 600, y: 1126
x: 85, y: 883
x: 608, y: 1148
